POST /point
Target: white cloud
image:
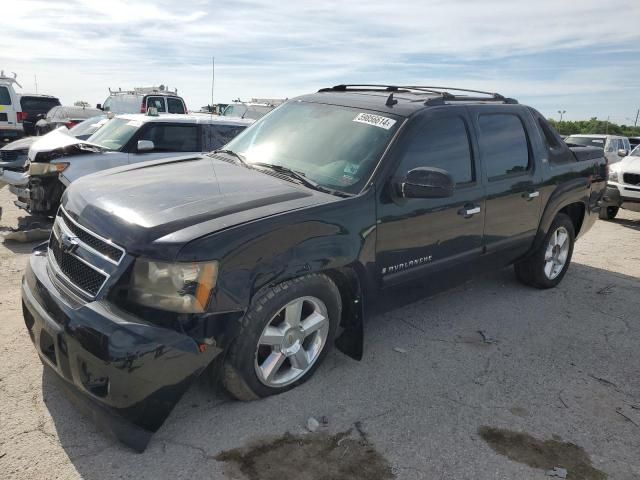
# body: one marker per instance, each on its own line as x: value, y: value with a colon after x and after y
x: 264, y: 48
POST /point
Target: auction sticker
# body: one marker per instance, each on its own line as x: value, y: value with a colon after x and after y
x: 375, y: 120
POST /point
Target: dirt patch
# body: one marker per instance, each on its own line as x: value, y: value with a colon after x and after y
x: 543, y: 454
x: 310, y: 457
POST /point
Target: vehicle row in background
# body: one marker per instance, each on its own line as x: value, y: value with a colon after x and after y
x: 59, y: 158
x: 615, y: 147
x: 64, y: 116
x: 255, y: 108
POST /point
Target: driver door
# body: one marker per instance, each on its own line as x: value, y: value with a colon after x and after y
x: 420, y: 235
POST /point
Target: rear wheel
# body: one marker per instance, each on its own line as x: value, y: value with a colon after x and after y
x: 546, y: 267
x: 608, y: 213
x: 285, y: 336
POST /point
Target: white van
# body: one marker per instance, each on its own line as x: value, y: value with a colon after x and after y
x: 139, y: 100
x: 11, y: 115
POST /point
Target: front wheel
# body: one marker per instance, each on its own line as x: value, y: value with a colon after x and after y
x: 546, y: 267
x: 285, y: 335
x: 608, y: 213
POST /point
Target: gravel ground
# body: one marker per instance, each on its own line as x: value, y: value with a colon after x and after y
x: 433, y: 398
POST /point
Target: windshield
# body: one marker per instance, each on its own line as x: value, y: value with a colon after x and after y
x: 635, y: 152
x: 89, y: 126
x: 116, y: 133
x: 334, y: 146
x: 587, y: 141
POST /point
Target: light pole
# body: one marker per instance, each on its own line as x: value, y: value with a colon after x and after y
x: 561, y: 112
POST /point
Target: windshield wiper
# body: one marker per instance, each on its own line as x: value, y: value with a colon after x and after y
x: 231, y: 153
x: 301, y: 178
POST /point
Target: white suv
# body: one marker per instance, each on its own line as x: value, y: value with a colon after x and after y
x: 615, y: 147
x: 11, y: 115
x: 623, y: 186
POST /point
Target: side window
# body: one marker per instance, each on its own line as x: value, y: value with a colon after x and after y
x: 5, y: 98
x: 157, y: 102
x: 172, y: 138
x: 175, y: 105
x: 442, y: 143
x: 215, y: 136
x: 611, y: 145
x: 626, y: 144
x: 503, y: 143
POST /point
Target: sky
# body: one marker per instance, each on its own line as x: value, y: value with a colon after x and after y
x: 581, y: 57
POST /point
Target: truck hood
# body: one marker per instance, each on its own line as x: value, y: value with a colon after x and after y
x: 21, y: 144
x: 154, y: 208
x: 628, y: 165
x: 59, y: 143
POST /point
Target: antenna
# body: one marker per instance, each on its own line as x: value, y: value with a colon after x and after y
x: 35, y: 78
x: 213, y: 79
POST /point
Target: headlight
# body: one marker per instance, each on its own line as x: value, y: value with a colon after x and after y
x: 36, y: 168
x: 613, y: 175
x: 176, y: 287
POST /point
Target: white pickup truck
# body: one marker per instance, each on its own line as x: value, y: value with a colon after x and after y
x: 623, y: 186
x: 59, y: 159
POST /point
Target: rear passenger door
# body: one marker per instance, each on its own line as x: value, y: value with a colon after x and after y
x: 420, y: 235
x: 169, y: 140
x: 512, y: 180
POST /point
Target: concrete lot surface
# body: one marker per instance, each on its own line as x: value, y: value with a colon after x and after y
x: 552, y: 381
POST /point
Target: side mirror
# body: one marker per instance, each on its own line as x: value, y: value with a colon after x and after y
x: 99, y: 106
x: 145, y: 146
x: 427, y: 182
x: 622, y: 152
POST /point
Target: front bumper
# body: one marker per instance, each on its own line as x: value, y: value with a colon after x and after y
x: 125, y: 373
x: 617, y: 194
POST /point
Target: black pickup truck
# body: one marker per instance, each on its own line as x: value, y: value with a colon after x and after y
x: 264, y: 254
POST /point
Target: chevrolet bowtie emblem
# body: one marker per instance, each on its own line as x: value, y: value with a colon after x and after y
x: 68, y: 243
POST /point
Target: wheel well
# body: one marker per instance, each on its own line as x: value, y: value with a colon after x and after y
x: 575, y: 211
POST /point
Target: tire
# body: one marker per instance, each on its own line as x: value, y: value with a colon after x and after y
x: 608, y: 213
x: 271, y: 337
x: 535, y: 270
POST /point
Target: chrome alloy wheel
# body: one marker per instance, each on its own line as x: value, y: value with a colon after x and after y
x: 555, y: 256
x: 292, y: 341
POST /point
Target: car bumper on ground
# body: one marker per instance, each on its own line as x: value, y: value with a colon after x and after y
x: 125, y: 373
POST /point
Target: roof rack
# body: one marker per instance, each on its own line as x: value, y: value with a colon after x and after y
x: 442, y: 93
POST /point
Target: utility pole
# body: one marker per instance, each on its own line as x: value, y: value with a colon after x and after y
x: 561, y: 112
x: 606, y: 128
x: 35, y: 78
x: 635, y: 124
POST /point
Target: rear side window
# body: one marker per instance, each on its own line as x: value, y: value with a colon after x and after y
x: 503, y: 143
x: 441, y: 143
x: 215, y: 136
x: 175, y: 105
x: 172, y: 138
x: 156, y: 102
x: 5, y: 98
x: 35, y: 105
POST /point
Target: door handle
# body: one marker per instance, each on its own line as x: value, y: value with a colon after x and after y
x: 469, y: 211
x: 530, y: 195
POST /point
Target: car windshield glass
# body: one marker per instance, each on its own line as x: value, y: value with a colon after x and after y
x: 635, y: 152
x: 587, y: 141
x: 334, y: 146
x: 116, y: 133
x: 35, y: 105
x: 89, y: 126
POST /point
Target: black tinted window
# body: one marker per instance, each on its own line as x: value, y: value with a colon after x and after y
x: 5, y: 98
x: 503, y: 143
x: 441, y: 143
x: 35, y: 105
x: 175, y: 105
x: 215, y: 136
x: 172, y: 138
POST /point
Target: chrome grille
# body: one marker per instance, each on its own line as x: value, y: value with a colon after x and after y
x: 102, y: 246
x: 79, y: 258
x: 80, y: 274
